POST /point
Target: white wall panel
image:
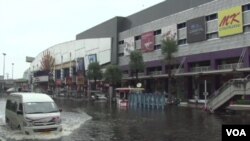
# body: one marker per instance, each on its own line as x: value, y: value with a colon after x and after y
x: 77, y: 49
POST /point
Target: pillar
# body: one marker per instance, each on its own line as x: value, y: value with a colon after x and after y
x: 246, y: 59
x: 213, y: 64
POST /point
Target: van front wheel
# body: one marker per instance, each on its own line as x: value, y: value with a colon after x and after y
x: 19, y: 127
x: 7, y: 120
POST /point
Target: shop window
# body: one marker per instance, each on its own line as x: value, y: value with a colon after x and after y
x: 58, y: 74
x: 211, y: 17
x: 121, y: 54
x: 66, y: 72
x: 181, y: 25
x: 212, y: 35
x: 246, y: 7
x: 74, y: 71
x: 157, y: 46
x: 182, y: 42
x: 121, y: 42
x: 137, y: 37
x: 157, y: 32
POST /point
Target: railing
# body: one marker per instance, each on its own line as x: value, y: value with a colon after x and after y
x: 175, y: 71
x: 200, y: 69
x: 155, y: 72
x: 228, y: 90
x: 141, y: 74
x: 229, y: 66
x: 125, y: 75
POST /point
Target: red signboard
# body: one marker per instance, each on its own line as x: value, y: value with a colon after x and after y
x: 58, y: 82
x: 147, y: 42
x: 68, y: 80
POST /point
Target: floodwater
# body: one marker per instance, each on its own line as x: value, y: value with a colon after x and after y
x: 98, y: 121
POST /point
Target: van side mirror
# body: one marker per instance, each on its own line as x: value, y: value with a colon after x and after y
x: 19, y: 112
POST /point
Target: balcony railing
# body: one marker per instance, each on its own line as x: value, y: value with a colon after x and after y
x: 126, y: 75
x: 174, y: 71
x: 155, y: 72
x: 201, y: 69
x: 141, y: 74
x: 229, y: 66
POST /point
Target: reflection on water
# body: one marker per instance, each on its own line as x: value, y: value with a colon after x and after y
x: 172, y: 124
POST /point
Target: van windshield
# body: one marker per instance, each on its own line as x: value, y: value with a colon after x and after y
x: 40, y: 107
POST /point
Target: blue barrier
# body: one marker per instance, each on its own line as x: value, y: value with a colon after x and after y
x: 147, y: 101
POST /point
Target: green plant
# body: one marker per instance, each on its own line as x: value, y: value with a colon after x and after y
x: 169, y: 47
x: 94, y: 72
x: 136, y: 63
x: 113, y: 75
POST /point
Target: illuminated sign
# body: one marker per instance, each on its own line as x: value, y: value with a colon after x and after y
x: 230, y: 21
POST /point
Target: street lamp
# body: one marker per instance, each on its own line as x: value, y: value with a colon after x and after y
x: 12, y: 69
x: 4, y: 54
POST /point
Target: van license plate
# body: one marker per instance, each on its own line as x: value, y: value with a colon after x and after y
x: 46, y: 133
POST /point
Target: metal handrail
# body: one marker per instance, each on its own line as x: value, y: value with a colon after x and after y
x: 226, y: 85
x: 230, y: 66
x: 219, y: 91
x: 201, y: 69
x: 230, y: 94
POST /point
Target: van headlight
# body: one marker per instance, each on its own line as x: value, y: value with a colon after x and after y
x: 57, y: 120
x: 27, y: 123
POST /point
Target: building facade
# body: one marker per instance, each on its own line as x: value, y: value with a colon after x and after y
x: 213, y: 45
x: 212, y: 37
x: 71, y: 60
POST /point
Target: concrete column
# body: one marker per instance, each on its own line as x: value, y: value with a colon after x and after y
x: 246, y: 59
x: 186, y: 67
x: 213, y: 64
x: 163, y: 68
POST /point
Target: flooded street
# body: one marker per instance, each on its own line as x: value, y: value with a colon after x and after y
x: 95, y: 121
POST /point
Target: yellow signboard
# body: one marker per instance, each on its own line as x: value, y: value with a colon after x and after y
x: 230, y: 21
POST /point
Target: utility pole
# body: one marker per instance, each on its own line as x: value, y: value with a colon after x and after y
x: 12, y: 70
x: 4, y: 54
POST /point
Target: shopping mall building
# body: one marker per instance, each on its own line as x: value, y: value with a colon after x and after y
x: 213, y: 38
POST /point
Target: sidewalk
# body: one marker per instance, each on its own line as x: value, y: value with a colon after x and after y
x: 238, y: 107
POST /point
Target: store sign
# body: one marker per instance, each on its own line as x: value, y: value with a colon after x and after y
x: 129, y: 46
x: 80, y: 80
x: 170, y: 32
x: 230, y: 21
x: 58, y: 82
x: 68, y: 80
x: 147, y: 42
x: 196, y: 30
x: 40, y: 79
x: 80, y: 65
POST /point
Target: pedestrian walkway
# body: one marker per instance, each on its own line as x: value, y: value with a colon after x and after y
x: 238, y: 107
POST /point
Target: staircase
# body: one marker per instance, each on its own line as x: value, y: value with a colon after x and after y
x: 233, y: 87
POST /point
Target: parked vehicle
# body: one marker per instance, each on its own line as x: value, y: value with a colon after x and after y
x: 33, y: 113
x: 98, y: 96
x: 122, y: 95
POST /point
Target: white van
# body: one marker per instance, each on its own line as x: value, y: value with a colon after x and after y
x: 32, y: 113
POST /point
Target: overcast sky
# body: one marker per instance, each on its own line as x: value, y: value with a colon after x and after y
x: 27, y: 27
